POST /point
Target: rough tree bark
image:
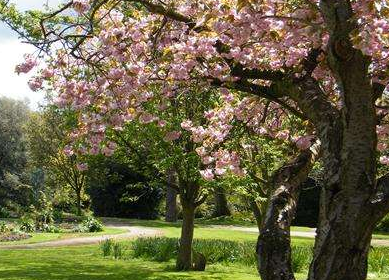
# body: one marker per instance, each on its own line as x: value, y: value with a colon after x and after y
x: 171, y: 197
x: 347, y: 214
x: 221, y: 204
x: 273, y: 246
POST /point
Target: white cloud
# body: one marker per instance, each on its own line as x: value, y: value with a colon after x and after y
x: 13, y: 85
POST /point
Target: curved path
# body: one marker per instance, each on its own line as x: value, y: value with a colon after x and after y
x: 308, y: 234
x: 132, y: 232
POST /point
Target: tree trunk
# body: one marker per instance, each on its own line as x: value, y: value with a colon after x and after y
x: 273, y: 247
x: 171, y: 196
x: 221, y: 204
x: 171, y: 205
x: 184, y: 259
x: 257, y: 213
x: 79, y: 206
x: 347, y: 216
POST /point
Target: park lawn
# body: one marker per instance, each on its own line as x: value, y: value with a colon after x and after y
x: 38, y: 237
x: 80, y: 263
x: 86, y: 263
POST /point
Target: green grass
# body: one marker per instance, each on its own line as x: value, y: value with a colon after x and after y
x: 85, y: 263
x: 44, y: 237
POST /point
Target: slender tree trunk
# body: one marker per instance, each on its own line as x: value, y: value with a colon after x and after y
x: 171, y: 205
x: 221, y: 204
x: 184, y: 259
x: 79, y: 206
x: 257, y: 213
x: 273, y: 247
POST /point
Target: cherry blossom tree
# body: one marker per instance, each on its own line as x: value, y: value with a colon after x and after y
x: 324, y: 61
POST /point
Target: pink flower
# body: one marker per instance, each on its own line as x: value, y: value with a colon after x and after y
x: 28, y: 64
x: 171, y: 136
x: 187, y: 125
x: 382, y: 147
x: 81, y: 6
x: 47, y: 73
x: 283, y: 135
x: 384, y: 160
x: 82, y: 167
x: 68, y: 151
x: 207, y: 174
x: 35, y: 84
x: 304, y: 142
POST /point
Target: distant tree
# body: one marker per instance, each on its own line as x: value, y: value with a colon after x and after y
x: 47, y: 138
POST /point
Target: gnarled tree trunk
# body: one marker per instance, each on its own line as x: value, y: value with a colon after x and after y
x: 273, y: 247
x: 221, y: 204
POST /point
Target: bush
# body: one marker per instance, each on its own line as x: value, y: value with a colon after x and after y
x: 92, y: 224
x: 4, y: 213
x: 4, y: 227
x: 27, y: 224
x: 50, y: 228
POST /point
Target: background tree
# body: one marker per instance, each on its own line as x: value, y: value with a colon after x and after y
x: 47, y: 138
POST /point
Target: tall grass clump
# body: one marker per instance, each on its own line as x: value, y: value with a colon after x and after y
x: 379, y: 260
x: 163, y: 249
x: 160, y: 249
x: 106, y: 247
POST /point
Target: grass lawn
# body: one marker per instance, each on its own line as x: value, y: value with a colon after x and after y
x: 44, y: 237
x: 86, y: 263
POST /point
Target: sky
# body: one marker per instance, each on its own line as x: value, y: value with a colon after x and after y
x: 11, y: 54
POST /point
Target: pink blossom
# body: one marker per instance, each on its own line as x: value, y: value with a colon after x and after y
x: 82, y: 166
x: 81, y: 6
x: 28, y: 64
x: 68, y: 151
x: 172, y: 136
x: 382, y: 146
x: 304, y: 142
x: 186, y: 125
x: 35, y: 84
x: 384, y: 160
x: 207, y: 174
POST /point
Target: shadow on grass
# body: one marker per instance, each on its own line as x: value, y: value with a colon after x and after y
x: 86, y: 264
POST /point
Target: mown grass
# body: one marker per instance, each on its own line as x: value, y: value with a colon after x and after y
x: 85, y: 263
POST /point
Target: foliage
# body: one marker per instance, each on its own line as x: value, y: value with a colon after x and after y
x: 383, y: 225
x: 27, y: 224
x: 106, y: 247
x: 4, y: 227
x: 119, y: 190
x: 92, y: 224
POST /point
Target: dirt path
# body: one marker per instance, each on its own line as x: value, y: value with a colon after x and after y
x: 309, y: 234
x: 132, y: 232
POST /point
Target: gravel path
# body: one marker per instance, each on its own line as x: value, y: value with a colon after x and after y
x: 132, y: 232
